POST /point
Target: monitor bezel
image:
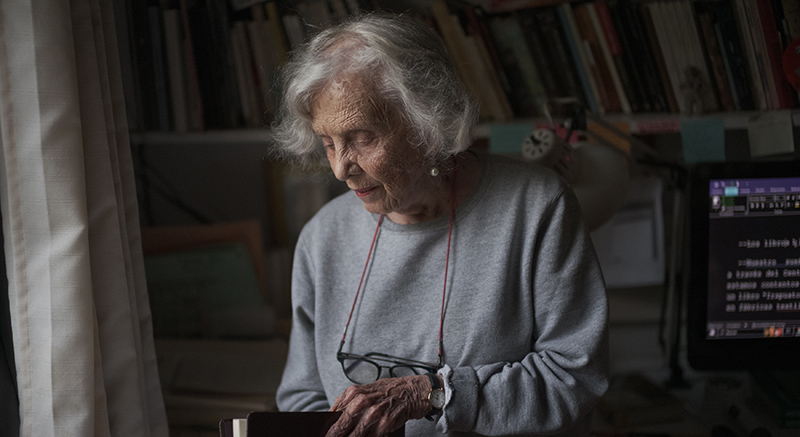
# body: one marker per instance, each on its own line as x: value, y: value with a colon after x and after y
x: 727, y: 354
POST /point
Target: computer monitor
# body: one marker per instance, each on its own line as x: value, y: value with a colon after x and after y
x: 743, y: 303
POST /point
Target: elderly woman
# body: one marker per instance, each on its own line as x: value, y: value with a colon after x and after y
x: 449, y: 285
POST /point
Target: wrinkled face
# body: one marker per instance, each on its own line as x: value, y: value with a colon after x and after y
x: 367, y: 147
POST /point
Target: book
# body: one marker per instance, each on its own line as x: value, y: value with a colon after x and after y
x: 529, y: 94
x: 475, y: 25
x: 756, y: 84
x: 205, y: 59
x: 590, y: 36
x: 557, y: 51
x: 697, y: 81
x: 226, y: 98
x: 490, y: 92
x: 144, y: 74
x: 684, y: 61
x: 612, y: 50
x: 455, y: 46
x: 295, y: 30
x: 773, y: 54
x: 760, y: 53
x: 499, y: 6
x: 705, y: 22
x: 781, y: 26
x: 633, y: 59
x: 633, y: 399
x: 196, y: 120
x: 648, y: 25
x: 264, y: 58
x: 248, y: 89
x: 163, y: 107
x: 791, y: 18
x: 579, y: 58
x: 274, y: 22
x: 173, y: 43
x: 533, y: 38
x: 733, y: 55
x: 285, y: 424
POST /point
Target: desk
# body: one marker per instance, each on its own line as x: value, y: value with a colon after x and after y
x: 706, y: 402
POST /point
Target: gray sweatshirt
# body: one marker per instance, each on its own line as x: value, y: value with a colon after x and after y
x: 525, y: 336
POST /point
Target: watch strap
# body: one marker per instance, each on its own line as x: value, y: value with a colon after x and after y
x: 435, y: 385
x: 434, y: 381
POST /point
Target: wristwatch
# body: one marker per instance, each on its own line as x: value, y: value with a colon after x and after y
x: 436, y: 396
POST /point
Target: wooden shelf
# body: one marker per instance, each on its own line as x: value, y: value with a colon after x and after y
x: 654, y: 124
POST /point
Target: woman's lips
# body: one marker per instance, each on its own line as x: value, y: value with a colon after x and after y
x: 364, y: 191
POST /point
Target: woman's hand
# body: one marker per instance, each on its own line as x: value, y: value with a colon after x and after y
x: 381, y: 407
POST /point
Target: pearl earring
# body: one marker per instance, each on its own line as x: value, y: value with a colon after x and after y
x: 434, y: 171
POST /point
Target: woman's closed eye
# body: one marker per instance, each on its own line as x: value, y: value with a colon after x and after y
x: 327, y: 142
x: 361, y: 138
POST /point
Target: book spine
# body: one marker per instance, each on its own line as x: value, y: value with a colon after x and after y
x: 276, y: 32
x: 558, y: 53
x: 453, y: 39
x: 476, y: 25
x: 529, y: 94
x: 760, y: 50
x: 642, y: 58
x: 705, y: 21
x: 791, y: 16
x: 579, y: 58
x: 264, y: 64
x: 634, y: 60
x: 597, y: 60
x: 756, y: 84
x: 698, y: 82
x: 733, y: 54
x: 648, y: 24
x: 774, y: 54
x: 489, y: 91
x: 476, y: 30
x: 612, y: 50
x: 539, y: 55
x: 195, y: 98
x: 244, y: 74
x: 161, y: 81
x: 176, y: 69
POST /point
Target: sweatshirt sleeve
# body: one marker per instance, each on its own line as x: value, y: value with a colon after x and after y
x: 558, y: 382
x: 300, y: 388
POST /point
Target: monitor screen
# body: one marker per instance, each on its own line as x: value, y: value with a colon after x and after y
x: 744, y: 294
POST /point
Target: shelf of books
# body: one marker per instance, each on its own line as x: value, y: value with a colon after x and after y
x: 203, y: 67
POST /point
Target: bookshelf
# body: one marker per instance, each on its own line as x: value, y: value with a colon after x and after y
x: 626, y: 59
x: 213, y: 88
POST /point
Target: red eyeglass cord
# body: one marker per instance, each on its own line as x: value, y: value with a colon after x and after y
x: 446, y: 266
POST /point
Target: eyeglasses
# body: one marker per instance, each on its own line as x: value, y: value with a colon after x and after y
x: 365, y: 369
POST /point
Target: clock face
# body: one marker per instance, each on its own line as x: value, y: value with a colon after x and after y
x: 529, y: 149
x: 437, y: 398
x: 537, y: 144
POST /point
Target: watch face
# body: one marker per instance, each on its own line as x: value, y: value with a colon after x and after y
x: 437, y: 398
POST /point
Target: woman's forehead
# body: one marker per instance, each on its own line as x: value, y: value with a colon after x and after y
x: 343, y: 102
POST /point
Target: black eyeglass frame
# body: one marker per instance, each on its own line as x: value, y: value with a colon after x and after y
x: 399, y: 362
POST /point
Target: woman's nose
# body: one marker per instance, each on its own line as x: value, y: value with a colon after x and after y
x: 344, y: 166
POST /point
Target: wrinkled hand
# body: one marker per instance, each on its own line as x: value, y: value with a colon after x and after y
x: 381, y: 407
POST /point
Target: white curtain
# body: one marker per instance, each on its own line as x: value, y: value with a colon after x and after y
x: 81, y: 324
